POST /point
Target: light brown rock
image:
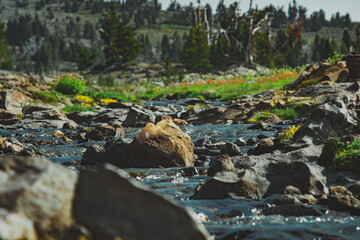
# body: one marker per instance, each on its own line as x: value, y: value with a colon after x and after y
x: 160, y: 145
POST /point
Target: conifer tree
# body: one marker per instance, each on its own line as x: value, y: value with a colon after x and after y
x: 121, y: 45
x: 5, y: 61
x: 195, y: 54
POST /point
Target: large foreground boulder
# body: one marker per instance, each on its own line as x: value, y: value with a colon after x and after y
x: 160, y: 145
x: 41, y: 191
x: 43, y: 200
x: 112, y: 207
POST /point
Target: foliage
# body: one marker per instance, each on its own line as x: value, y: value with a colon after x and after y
x: 346, y: 153
x: 335, y: 58
x: 349, y: 157
x: 119, y: 39
x: 46, y: 97
x: 289, y: 133
x: 195, y: 54
x: 70, y: 83
x: 223, y: 89
x: 77, y: 108
x: 5, y: 60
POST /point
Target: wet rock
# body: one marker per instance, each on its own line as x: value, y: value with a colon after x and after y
x: 291, y: 190
x: 38, y: 107
x: 105, y: 132
x: 232, y: 149
x: 41, y: 191
x: 259, y: 126
x: 138, y: 118
x: 240, y: 142
x: 222, y: 163
x: 92, y: 156
x: 16, y: 226
x: 80, y: 117
x: 355, y: 189
x: 263, y: 146
x: 109, y: 116
x: 163, y: 144
x: 263, y: 179
x: 339, y: 191
x: 12, y: 101
x: 7, y: 118
x: 202, y: 142
x: 251, y: 141
x: 12, y: 148
x: 345, y: 204
x: 120, y: 208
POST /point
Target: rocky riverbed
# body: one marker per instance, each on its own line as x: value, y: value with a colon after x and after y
x: 163, y: 171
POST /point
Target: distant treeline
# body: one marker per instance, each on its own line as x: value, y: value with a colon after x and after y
x: 51, y: 39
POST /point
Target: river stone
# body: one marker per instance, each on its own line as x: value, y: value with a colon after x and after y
x: 262, y: 180
x: 138, y: 118
x: 160, y: 145
x: 41, y: 191
x: 222, y: 163
x: 16, y: 226
x: 12, y: 100
x: 111, y: 206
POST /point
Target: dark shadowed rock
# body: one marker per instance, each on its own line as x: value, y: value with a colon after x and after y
x: 138, y: 118
x: 232, y: 149
x: 80, y: 117
x: 110, y: 206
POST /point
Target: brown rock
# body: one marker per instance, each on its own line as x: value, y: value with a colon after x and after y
x: 223, y: 163
x: 339, y: 191
x: 163, y: 144
x: 272, y: 119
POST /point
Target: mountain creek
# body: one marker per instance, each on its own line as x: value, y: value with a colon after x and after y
x: 184, y: 169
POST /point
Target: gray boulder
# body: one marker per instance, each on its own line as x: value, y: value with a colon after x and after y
x: 264, y: 179
x: 110, y: 206
x: 41, y: 191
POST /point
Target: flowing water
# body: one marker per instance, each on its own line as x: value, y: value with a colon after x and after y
x: 224, y: 219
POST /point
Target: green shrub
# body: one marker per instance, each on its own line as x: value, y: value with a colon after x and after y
x: 70, y: 83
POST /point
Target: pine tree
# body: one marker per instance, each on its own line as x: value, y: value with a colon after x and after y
x: 5, y: 61
x: 119, y: 39
x: 195, y: 54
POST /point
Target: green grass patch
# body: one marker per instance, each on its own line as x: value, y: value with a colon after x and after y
x: 77, y: 108
x: 46, y: 97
